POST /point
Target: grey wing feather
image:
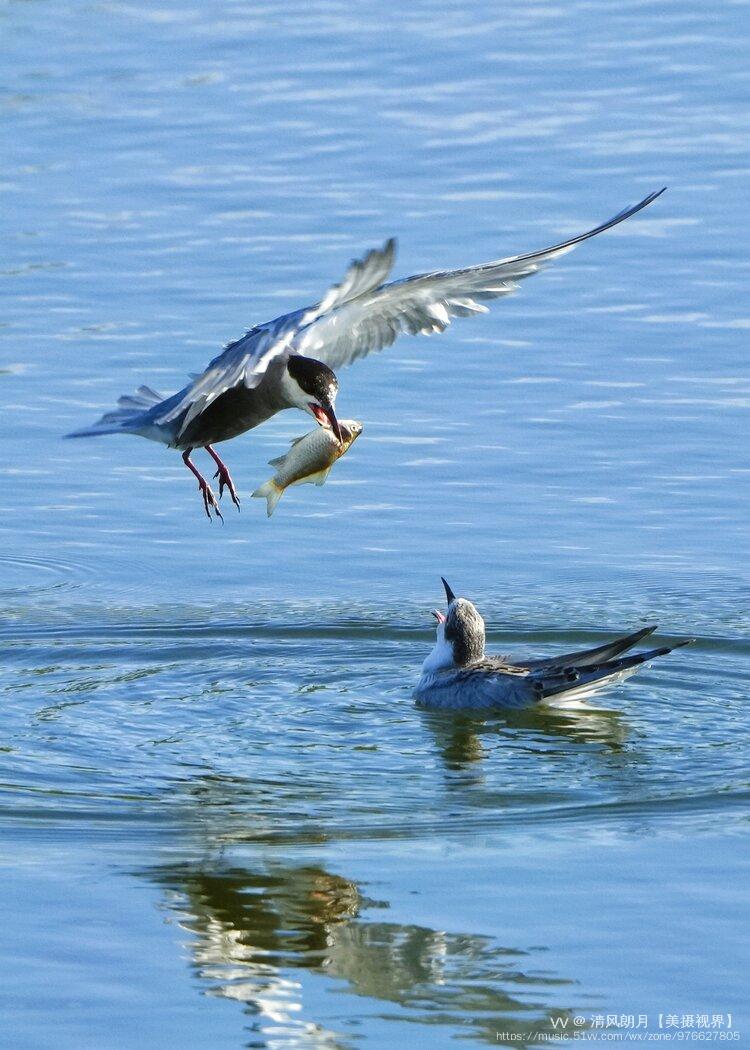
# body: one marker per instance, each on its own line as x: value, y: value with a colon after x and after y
x: 244, y: 361
x: 363, y: 276
x: 426, y: 303
x: 585, y: 679
x: 129, y: 407
x: 497, y: 665
x: 586, y: 657
x: 142, y: 399
x: 247, y: 359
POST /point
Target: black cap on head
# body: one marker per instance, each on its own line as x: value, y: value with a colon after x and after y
x: 315, y: 378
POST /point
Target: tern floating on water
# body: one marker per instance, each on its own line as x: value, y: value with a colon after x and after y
x: 458, y: 675
x: 289, y: 362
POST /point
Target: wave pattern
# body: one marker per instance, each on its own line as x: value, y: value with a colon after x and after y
x: 289, y: 731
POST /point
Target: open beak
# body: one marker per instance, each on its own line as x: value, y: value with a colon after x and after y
x: 327, y: 418
x: 438, y: 616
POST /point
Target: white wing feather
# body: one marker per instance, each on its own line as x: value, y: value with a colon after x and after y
x: 361, y: 314
x: 362, y: 276
x: 425, y: 304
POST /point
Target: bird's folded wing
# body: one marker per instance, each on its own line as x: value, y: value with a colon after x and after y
x: 244, y: 361
x: 493, y: 665
x: 587, y: 657
x: 374, y: 319
x: 581, y: 679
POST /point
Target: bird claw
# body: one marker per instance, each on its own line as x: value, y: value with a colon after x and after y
x: 210, y: 502
x: 226, y: 480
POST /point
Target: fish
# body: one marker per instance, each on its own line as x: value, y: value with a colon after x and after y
x: 308, y: 461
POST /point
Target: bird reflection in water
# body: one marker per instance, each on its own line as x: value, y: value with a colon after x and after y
x: 258, y: 935
x: 463, y: 740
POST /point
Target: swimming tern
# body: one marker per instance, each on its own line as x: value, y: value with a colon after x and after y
x: 458, y: 675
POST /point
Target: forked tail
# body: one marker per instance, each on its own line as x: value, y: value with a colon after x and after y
x: 126, y: 417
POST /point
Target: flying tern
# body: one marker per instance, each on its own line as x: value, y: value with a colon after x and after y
x: 289, y: 362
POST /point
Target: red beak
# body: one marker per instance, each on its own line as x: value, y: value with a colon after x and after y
x: 327, y: 417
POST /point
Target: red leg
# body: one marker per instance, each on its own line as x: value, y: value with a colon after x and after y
x: 224, y: 477
x: 209, y: 500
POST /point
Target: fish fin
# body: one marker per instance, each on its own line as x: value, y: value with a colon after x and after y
x: 271, y: 492
x: 314, y: 479
x: 280, y: 459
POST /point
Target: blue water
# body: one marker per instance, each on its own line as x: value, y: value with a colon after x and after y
x: 224, y: 823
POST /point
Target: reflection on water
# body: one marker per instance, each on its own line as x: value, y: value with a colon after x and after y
x: 463, y: 739
x: 253, y: 931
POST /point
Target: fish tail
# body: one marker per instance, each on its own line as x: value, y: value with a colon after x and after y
x: 271, y: 492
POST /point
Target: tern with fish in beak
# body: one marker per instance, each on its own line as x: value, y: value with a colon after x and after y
x: 458, y: 675
x: 308, y: 461
x: 288, y: 362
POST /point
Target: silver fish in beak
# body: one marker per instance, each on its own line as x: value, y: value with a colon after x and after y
x: 309, y: 460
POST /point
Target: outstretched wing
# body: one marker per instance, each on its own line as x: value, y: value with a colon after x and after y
x: 373, y: 319
x: 247, y: 360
